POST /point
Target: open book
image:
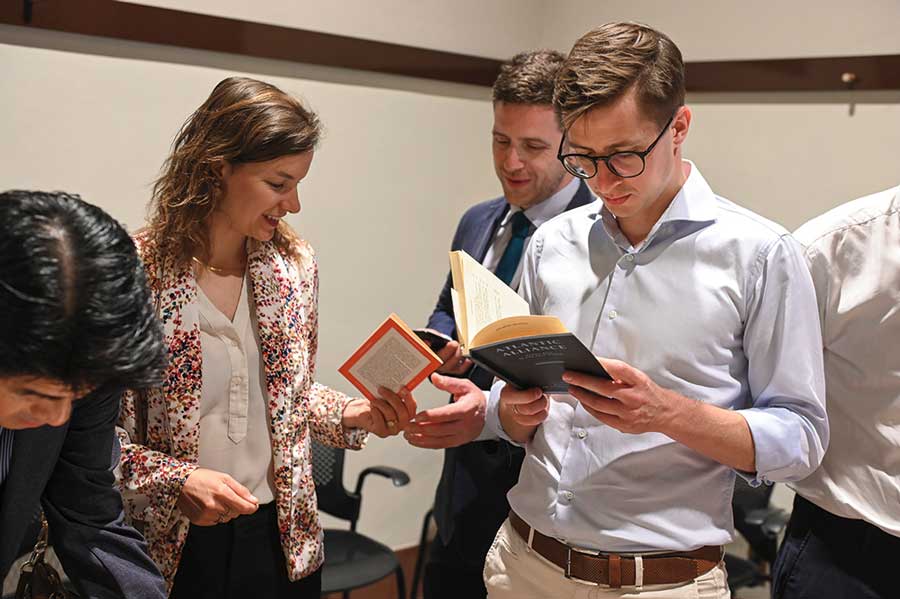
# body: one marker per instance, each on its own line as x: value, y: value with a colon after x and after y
x: 393, y: 357
x: 499, y: 334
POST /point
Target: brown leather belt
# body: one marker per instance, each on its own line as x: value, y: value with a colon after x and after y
x: 617, y: 570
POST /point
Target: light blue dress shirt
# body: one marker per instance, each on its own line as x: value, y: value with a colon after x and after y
x: 716, y: 304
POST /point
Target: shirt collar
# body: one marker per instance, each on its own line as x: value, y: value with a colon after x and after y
x: 549, y: 208
x: 694, y: 203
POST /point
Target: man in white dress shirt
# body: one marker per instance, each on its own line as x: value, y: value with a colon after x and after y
x: 703, y: 313
x: 844, y: 536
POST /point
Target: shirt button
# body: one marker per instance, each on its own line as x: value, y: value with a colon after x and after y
x: 613, y: 314
x: 581, y: 434
x: 629, y: 257
x: 568, y: 495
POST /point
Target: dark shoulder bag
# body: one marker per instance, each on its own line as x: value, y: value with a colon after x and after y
x: 37, y: 578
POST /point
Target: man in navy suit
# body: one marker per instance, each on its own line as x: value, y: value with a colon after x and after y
x: 470, y: 503
x: 76, y: 328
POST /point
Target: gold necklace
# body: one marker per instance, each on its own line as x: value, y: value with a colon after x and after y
x: 220, y: 271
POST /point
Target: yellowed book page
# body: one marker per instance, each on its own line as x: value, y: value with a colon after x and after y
x: 456, y: 295
x: 391, y: 363
x: 518, y: 326
x: 460, y: 323
x: 413, y: 338
x: 485, y: 298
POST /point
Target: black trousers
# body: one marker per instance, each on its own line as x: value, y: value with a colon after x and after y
x: 456, y: 570
x: 238, y: 559
x: 824, y: 556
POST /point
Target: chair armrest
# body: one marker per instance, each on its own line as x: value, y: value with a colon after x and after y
x: 775, y: 523
x: 397, y: 476
x: 771, y: 521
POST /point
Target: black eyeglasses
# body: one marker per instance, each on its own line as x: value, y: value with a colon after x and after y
x: 622, y: 164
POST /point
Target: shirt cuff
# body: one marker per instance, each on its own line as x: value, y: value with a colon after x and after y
x: 492, y: 415
x: 487, y: 433
x: 781, y: 447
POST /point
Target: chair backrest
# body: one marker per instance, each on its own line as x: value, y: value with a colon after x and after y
x: 746, y: 500
x: 328, y: 474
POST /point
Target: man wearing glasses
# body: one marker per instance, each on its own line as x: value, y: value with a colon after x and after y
x: 705, y: 316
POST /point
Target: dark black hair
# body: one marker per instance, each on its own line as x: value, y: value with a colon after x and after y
x: 74, y: 302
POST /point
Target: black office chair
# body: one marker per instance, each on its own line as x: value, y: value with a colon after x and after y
x: 352, y: 560
x: 760, y: 524
x: 420, y: 556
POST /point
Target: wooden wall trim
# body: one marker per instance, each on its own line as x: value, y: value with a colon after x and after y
x: 121, y: 20
x: 137, y: 22
x: 839, y: 73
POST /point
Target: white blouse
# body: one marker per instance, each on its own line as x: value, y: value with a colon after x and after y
x: 235, y: 435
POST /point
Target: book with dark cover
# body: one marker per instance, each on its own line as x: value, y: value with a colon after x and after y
x: 537, y: 361
x: 497, y: 332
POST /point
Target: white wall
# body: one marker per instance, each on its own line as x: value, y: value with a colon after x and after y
x: 493, y: 28
x: 737, y: 29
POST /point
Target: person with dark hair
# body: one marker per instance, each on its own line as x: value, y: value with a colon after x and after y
x: 216, y: 462
x: 470, y: 502
x: 703, y: 313
x: 76, y: 330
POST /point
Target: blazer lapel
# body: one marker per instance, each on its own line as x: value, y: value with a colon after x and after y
x: 279, y: 333
x: 34, y: 456
x: 582, y: 196
x: 494, y: 217
x: 180, y: 393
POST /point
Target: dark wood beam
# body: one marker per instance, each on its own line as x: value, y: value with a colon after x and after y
x: 121, y: 20
x: 137, y: 22
x: 795, y: 74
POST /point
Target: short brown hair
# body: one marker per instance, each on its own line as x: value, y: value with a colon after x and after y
x: 611, y: 60
x: 528, y: 77
x: 242, y: 121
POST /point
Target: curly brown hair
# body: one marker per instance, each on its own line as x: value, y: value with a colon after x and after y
x: 242, y: 121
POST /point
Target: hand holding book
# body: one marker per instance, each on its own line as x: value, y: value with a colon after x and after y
x: 497, y: 332
x: 387, y: 367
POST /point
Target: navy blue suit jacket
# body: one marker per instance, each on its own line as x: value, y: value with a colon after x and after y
x: 68, y: 470
x: 477, y: 476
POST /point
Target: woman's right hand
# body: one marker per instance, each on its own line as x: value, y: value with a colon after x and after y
x: 209, y: 497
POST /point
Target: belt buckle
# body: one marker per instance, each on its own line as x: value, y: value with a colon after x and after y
x: 568, y: 562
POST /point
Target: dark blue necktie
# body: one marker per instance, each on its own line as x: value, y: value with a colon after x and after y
x: 509, y: 262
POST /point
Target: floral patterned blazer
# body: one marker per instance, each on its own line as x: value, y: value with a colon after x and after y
x: 159, y: 430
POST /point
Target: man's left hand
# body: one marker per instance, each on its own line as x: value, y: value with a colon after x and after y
x: 631, y: 402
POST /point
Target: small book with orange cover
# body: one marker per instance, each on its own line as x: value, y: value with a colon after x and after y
x: 392, y: 357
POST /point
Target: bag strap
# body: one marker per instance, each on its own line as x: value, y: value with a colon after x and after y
x: 40, y: 547
x: 35, y: 568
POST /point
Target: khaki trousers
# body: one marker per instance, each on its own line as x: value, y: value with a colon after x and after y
x: 513, y: 571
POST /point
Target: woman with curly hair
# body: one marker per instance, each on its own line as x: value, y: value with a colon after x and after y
x: 216, y: 462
